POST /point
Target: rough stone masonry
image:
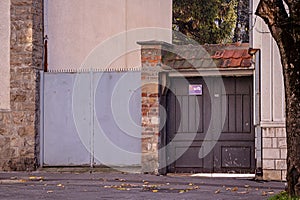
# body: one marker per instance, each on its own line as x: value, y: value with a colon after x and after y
x: 19, y: 125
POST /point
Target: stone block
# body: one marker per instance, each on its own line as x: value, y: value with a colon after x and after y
x: 267, y: 142
x: 271, y: 153
x: 16, y: 142
x: 274, y: 142
x: 283, y: 175
x: 18, y: 118
x: 281, y: 164
x: 268, y: 132
x: 154, y: 120
x: 283, y: 153
x: 21, y: 2
x: 274, y: 175
x: 282, y: 143
x: 268, y: 164
x: 22, y: 10
x: 280, y: 132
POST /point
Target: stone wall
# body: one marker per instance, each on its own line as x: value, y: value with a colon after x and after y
x: 274, y: 153
x: 19, y: 126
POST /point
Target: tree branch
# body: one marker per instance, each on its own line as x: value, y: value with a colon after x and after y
x: 272, y: 12
x: 294, y: 9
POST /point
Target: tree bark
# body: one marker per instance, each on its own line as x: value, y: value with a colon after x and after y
x: 285, y: 29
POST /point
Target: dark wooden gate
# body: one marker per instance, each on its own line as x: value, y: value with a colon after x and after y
x: 189, y: 117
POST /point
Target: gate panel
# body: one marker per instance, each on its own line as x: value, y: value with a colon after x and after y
x: 71, y: 133
x: 62, y: 144
x: 117, y: 119
x: 234, y: 150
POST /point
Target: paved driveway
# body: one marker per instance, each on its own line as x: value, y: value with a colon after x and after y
x: 114, y: 185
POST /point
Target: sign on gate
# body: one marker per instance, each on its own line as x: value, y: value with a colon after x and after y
x: 195, y: 89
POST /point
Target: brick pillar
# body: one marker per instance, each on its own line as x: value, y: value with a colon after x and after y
x: 19, y: 125
x: 151, y: 56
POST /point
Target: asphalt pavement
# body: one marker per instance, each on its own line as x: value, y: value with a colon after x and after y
x: 117, y: 185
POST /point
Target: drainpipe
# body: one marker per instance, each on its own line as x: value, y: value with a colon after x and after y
x: 257, y: 111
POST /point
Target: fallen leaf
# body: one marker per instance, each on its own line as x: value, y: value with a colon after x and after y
x: 36, y: 178
x: 181, y: 191
x: 270, y: 192
x: 190, y: 184
x: 60, y: 185
x: 49, y: 191
x: 228, y: 189
x: 243, y: 192
x: 246, y: 186
x: 120, y: 179
x: 264, y: 193
x: 22, y: 181
x: 234, y: 189
x: 120, y: 188
x: 154, y: 191
x: 217, y: 191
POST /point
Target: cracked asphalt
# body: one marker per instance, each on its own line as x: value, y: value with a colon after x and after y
x: 117, y: 185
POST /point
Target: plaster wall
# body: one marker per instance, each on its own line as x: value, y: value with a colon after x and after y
x: 5, y: 55
x: 272, y: 86
x: 75, y: 28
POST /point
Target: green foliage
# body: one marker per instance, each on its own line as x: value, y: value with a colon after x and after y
x: 206, y: 21
x: 282, y: 196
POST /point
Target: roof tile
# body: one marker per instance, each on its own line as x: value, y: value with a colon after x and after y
x: 228, y: 53
x: 238, y: 53
x: 235, y: 62
x: 208, y: 56
x: 218, y: 54
x: 246, y: 62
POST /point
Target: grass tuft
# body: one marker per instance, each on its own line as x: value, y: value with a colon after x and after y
x: 283, y: 196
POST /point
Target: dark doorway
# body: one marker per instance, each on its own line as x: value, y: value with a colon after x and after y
x: 189, y: 116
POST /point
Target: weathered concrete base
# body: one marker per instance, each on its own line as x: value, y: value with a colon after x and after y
x: 150, y: 163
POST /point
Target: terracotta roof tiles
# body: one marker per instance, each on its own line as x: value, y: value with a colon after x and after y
x: 208, y: 56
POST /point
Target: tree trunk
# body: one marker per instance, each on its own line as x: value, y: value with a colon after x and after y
x: 292, y: 89
x: 285, y: 29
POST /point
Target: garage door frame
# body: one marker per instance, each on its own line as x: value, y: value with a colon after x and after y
x: 165, y: 76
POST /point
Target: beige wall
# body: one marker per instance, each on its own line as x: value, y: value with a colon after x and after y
x: 76, y: 27
x: 5, y: 55
x: 272, y: 86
